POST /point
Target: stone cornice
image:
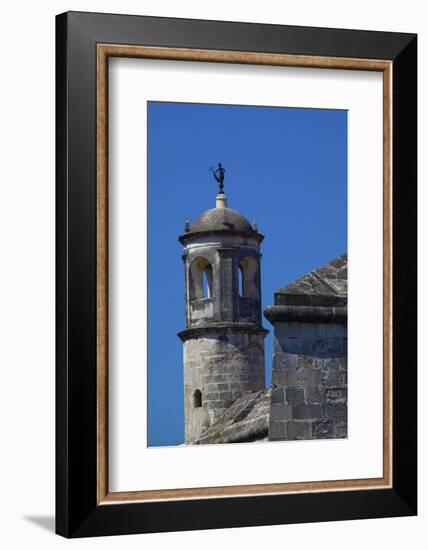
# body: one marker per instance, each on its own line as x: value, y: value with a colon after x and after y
x: 199, y: 331
x: 313, y: 300
x: 194, y: 235
x: 306, y: 314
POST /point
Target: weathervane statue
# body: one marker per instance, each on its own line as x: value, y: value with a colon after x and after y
x: 219, y: 176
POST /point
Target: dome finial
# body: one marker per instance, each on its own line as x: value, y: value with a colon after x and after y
x: 221, y: 201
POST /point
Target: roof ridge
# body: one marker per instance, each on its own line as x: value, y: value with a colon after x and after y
x: 320, y: 279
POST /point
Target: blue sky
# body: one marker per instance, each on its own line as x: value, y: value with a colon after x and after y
x: 286, y: 167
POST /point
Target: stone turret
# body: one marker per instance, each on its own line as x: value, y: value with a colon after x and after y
x: 223, y: 342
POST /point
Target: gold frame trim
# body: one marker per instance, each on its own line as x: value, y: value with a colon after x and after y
x: 104, y: 51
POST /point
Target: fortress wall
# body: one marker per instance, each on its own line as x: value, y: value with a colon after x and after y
x: 309, y: 381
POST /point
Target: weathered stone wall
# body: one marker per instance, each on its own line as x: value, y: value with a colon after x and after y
x: 309, y: 381
x: 223, y: 365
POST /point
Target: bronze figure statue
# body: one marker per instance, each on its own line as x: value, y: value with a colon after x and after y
x: 219, y: 176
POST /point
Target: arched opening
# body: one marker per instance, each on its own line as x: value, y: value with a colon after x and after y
x: 240, y: 281
x: 197, y: 399
x: 249, y: 278
x: 200, y: 279
x: 207, y: 281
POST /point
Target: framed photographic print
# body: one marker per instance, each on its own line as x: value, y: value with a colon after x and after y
x: 236, y: 274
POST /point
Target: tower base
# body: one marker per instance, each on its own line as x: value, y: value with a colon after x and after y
x: 220, y: 365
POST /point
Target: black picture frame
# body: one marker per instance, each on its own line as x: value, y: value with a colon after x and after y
x: 77, y: 511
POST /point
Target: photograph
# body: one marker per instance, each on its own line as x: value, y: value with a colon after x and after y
x: 221, y: 187
x: 247, y: 273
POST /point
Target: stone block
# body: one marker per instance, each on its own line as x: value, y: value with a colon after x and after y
x: 303, y: 412
x: 323, y: 347
x: 277, y: 396
x: 314, y: 395
x: 214, y: 404
x: 294, y: 395
x: 306, y: 361
x: 285, y: 361
x: 332, y: 363
x: 330, y: 378
x: 344, y: 363
x: 280, y: 412
x: 212, y: 396
x: 298, y: 430
x: 336, y: 411
x: 301, y: 377
x: 277, y: 431
x: 310, y: 362
x: 343, y: 378
x: 323, y: 429
x: 279, y: 377
x: 226, y: 396
x: 341, y: 429
x: 212, y: 387
x: 335, y: 395
x: 215, y: 378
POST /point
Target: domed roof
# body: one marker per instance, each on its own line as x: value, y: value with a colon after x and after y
x: 221, y: 219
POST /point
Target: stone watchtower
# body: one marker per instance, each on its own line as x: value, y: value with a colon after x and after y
x: 224, y: 339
